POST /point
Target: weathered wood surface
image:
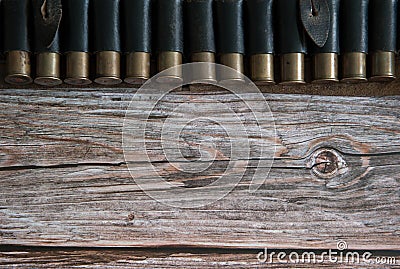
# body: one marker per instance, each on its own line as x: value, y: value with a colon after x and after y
x: 170, y: 258
x: 65, y: 181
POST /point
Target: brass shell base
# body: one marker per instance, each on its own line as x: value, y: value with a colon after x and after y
x: 18, y: 79
x: 354, y: 67
x: 262, y: 69
x: 326, y: 68
x: 166, y: 60
x: 18, y: 68
x: 108, y: 68
x: 234, y: 61
x: 205, y: 74
x: 137, y: 68
x: 383, y: 67
x: 77, y: 71
x: 292, y: 69
x: 48, y: 69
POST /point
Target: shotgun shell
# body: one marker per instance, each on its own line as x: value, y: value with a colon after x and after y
x: 47, y: 44
x: 326, y: 58
x: 76, y: 36
x: 382, y: 35
x: 200, y: 23
x: 170, y: 40
x: 16, y: 41
x: 292, y: 42
x: 354, y: 40
x: 107, y: 43
x: 261, y: 41
x: 230, y: 32
x: 137, y: 21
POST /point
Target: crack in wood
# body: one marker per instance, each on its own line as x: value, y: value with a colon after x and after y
x: 100, y: 164
x: 58, y: 166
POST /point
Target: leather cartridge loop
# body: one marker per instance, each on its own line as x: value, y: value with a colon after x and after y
x: 332, y: 43
x: 47, y: 16
x: 316, y: 18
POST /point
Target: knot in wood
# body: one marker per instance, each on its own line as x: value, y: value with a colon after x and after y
x: 328, y: 163
x: 131, y: 216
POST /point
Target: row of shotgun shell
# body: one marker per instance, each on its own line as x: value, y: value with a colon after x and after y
x: 223, y: 31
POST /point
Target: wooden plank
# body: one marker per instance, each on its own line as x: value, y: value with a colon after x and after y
x: 173, y: 258
x: 102, y: 206
x: 59, y: 126
x: 65, y: 181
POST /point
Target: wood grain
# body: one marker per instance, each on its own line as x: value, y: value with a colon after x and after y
x: 166, y: 258
x: 65, y: 181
